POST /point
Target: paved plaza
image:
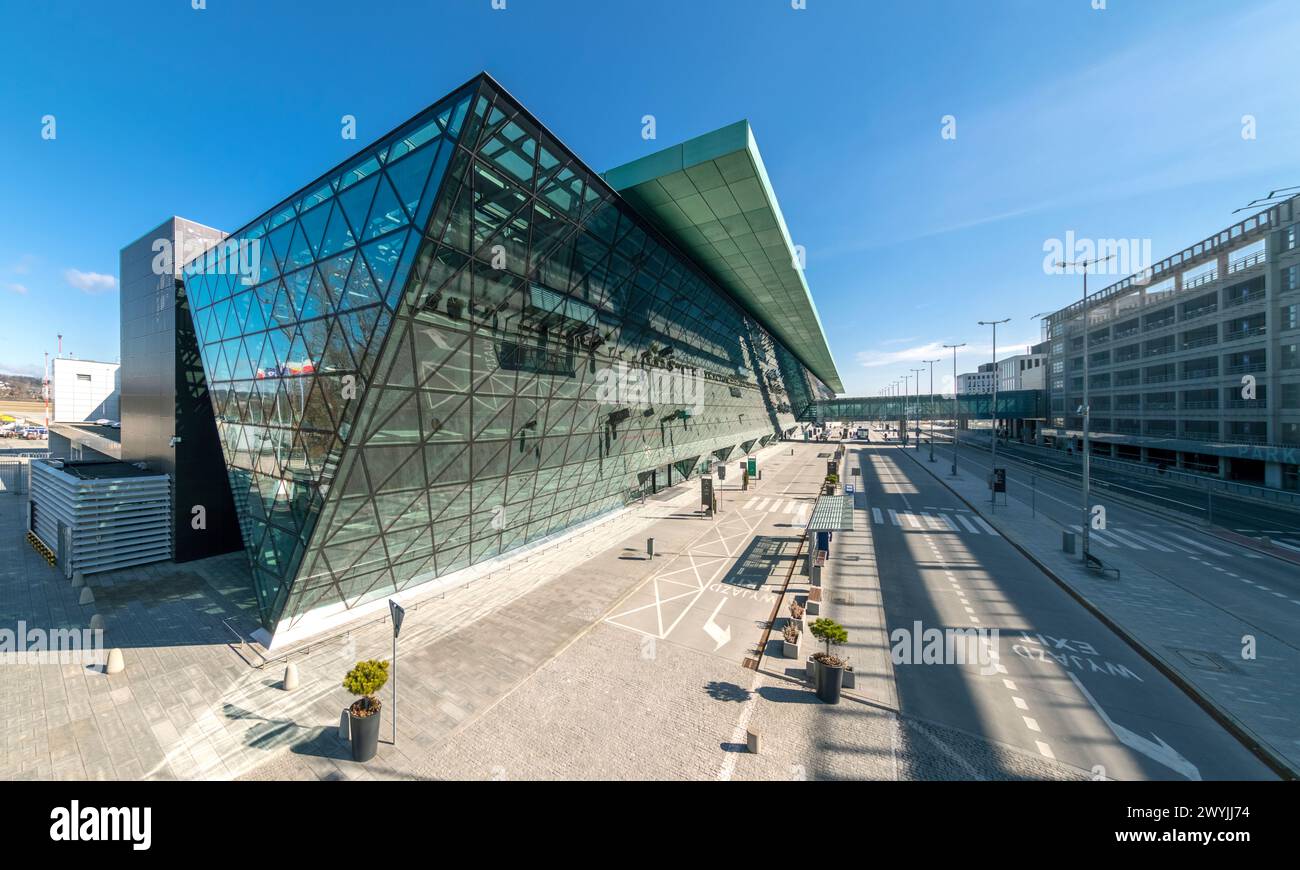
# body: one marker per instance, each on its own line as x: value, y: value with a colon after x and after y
x: 584, y: 659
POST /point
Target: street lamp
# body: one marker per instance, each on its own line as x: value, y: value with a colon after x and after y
x: 993, y: 407
x: 917, y: 372
x: 956, y: 411
x: 907, y: 409
x: 931, y: 363
x: 1084, y: 409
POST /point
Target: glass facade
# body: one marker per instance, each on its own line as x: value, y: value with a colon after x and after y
x: 458, y: 343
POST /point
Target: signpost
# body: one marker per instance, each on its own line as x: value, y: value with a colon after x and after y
x: 398, y: 613
x: 752, y: 466
x: 706, y: 493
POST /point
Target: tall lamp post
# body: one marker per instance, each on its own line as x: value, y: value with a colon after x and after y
x: 931, y: 363
x: 902, y: 434
x: 917, y: 372
x: 956, y: 410
x: 993, y: 407
x: 1085, y: 411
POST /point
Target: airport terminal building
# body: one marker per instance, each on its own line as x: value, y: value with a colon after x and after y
x: 463, y: 340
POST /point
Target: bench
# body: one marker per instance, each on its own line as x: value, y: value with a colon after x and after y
x: 1096, y: 566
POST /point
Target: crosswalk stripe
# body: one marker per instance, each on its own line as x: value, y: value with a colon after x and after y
x: 762, y: 505
x: 948, y: 522
x: 893, y: 516
x: 791, y: 507
x: 776, y: 506
x: 987, y: 528
x: 1148, y: 540
x: 1204, y: 547
x: 749, y: 504
x: 965, y: 522
x: 934, y: 523
x: 911, y: 518
x: 877, y: 516
x: 1097, y: 536
x: 1126, y: 538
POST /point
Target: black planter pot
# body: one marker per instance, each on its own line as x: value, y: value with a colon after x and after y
x: 365, y: 734
x: 829, y: 682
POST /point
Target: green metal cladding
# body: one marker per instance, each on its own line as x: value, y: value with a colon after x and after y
x: 418, y: 377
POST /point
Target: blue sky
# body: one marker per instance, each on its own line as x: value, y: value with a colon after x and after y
x: 1122, y: 122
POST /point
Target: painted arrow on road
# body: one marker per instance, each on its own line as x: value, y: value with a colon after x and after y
x: 721, y: 636
x: 1157, y: 749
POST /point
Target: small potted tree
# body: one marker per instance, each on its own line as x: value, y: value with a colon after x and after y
x: 365, y: 680
x: 829, y: 674
x: 829, y: 486
x: 790, y: 641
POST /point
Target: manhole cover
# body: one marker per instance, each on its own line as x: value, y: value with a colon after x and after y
x: 844, y: 598
x: 1206, y: 661
x: 850, y: 558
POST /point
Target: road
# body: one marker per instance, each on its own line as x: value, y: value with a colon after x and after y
x: 1260, y: 590
x: 1247, y: 516
x: 1066, y: 687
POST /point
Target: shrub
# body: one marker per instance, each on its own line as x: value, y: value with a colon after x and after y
x: 790, y: 633
x: 366, y: 679
x: 829, y: 631
x: 796, y: 610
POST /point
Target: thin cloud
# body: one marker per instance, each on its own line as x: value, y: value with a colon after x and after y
x: 90, y: 282
x: 16, y: 288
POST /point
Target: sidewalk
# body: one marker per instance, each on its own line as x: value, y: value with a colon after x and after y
x: 1191, y: 640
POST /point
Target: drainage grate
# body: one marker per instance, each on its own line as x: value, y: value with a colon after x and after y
x: 1206, y: 661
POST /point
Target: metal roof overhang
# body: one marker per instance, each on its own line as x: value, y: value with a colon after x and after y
x: 712, y: 197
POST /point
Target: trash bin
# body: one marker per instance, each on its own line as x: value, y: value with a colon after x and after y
x: 1067, y: 542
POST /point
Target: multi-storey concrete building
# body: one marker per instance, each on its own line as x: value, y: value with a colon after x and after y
x: 1023, y: 371
x: 1195, y: 362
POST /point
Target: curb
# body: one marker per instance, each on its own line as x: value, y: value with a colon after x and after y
x: 1275, y: 762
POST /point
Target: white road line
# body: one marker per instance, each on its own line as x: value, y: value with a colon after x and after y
x: 1198, y: 544
x: 987, y: 528
x: 762, y: 504
x: 749, y: 504
x: 1019, y: 702
x: 1044, y: 750
x: 965, y: 522
x: 740, y: 735
x: 947, y: 522
x: 911, y: 518
x: 934, y: 522
x: 893, y: 515
x: 1094, y: 535
x: 1126, y: 539
x: 1009, y: 684
x: 791, y: 507
x: 1031, y: 724
x: 876, y: 516
x: 1148, y: 540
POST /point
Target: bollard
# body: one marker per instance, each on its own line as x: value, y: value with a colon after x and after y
x: 650, y: 547
x: 1067, y: 542
x: 78, y: 579
x: 115, y: 665
x: 751, y: 741
x: 87, y: 597
x: 96, y: 623
x: 290, y: 677
x: 345, y: 726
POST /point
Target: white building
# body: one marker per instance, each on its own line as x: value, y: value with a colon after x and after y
x: 976, y: 382
x: 85, y: 391
x: 1025, y: 371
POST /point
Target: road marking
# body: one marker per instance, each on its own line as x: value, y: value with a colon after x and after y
x: 762, y: 505
x: 1198, y: 544
x: 1031, y: 724
x: 720, y: 636
x: 1044, y: 750
x: 876, y: 516
x: 965, y: 522
x: 911, y: 518
x: 740, y: 735
x: 986, y: 527
x: 1148, y: 540
x: 1157, y: 750
x: 1126, y: 538
x: 1019, y: 702
x: 1094, y: 535
x: 1009, y: 684
x: 893, y: 515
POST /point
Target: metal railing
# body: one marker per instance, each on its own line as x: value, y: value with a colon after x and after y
x: 1242, y: 263
x: 1201, y: 279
